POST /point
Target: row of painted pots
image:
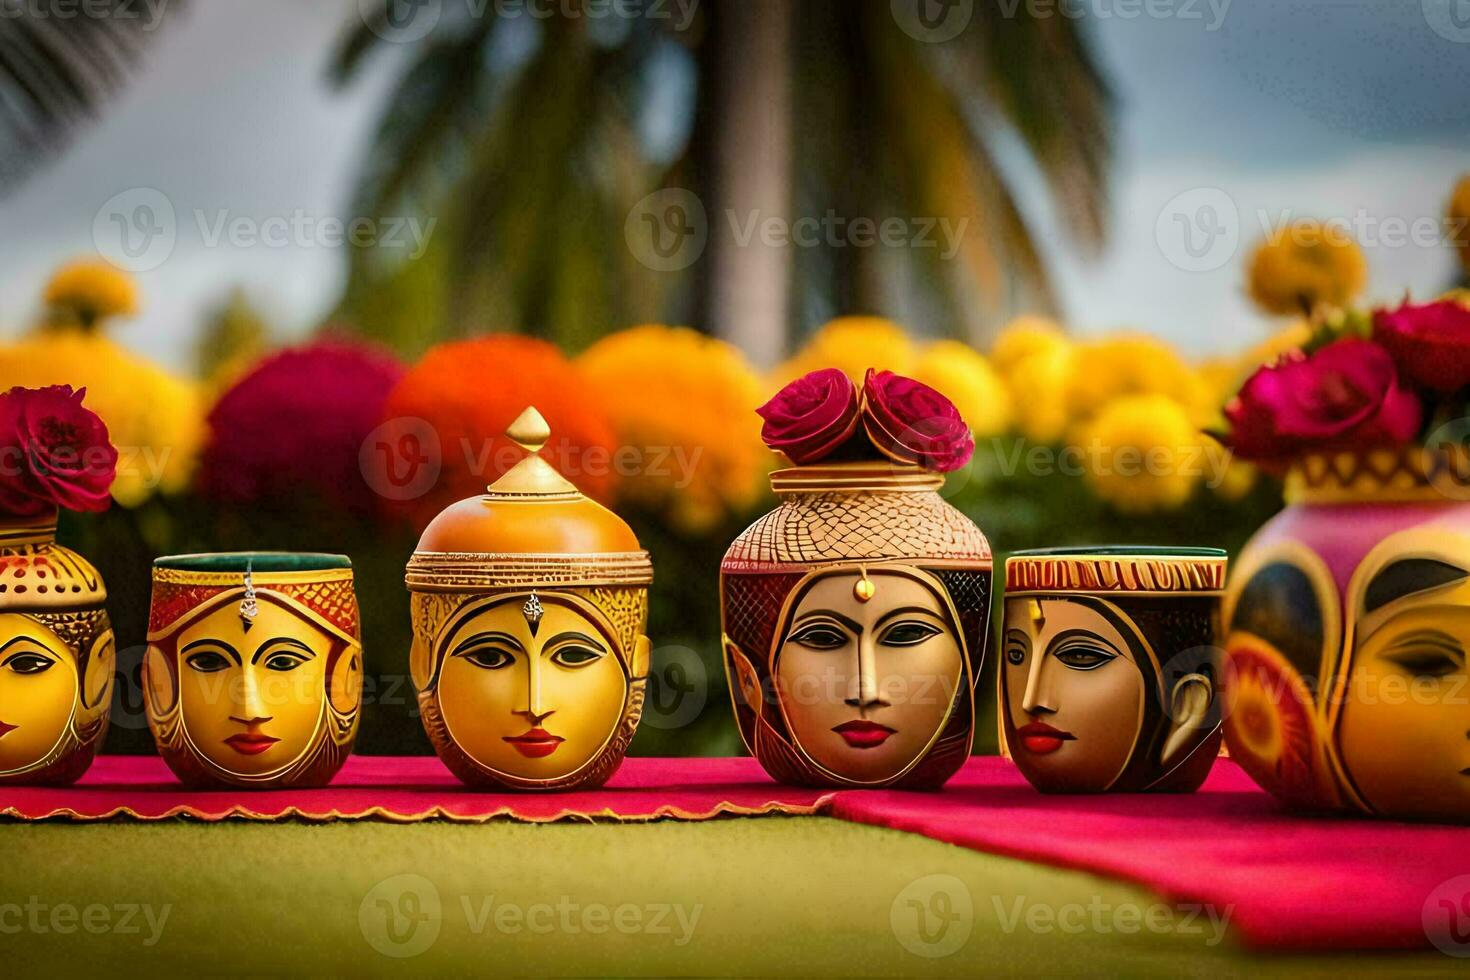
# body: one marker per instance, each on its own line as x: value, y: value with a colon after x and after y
x: 855, y: 618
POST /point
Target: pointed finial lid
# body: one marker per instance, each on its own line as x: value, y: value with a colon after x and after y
x: 532, y: 476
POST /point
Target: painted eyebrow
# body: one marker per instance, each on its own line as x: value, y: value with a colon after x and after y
x: 481, y: 638
x: 830, y: 614
x: 1017, y: 636
x: 1440, y: 640
x: 14, y: 640
x: 215, y: 644
x: 282, y: 641
x: 572, y: 636
x: 905, y: 610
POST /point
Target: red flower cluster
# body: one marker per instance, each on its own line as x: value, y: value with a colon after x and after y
x: 1354, y: 394
x: 53, y: 453
x: 817, y: 415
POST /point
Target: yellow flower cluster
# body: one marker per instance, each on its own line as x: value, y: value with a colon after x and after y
x: 1304, y: 265
x: 680, y: 404
x: 86, y: 292
x: 155, y: 419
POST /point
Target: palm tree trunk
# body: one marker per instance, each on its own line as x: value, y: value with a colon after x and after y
x: 752, y: 178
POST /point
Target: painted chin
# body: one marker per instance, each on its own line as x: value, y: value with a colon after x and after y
x: 249, y: 743
x: 864, y: 734
x: 1039, y: 738
x: 537, y: 743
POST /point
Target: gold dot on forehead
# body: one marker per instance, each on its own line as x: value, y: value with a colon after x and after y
x: 864, y: 589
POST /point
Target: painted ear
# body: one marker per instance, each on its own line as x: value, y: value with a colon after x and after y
x: 158, y: 682
x: 420, y: 661
x: 1189, y: 712
x: 746, y: 678
x: 345, y: 684
x: 101, y: 662
x: 642, y: 654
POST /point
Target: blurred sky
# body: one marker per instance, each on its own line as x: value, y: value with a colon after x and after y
x: 1351, y: 108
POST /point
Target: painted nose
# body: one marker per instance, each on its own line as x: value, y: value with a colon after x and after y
x: 534, y: 711
x: 867, y: 695
x: 1037, y: 699
x: 252, y: 702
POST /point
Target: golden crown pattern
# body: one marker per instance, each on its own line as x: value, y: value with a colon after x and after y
x: 1403, y: 473
x: 1105, y: 573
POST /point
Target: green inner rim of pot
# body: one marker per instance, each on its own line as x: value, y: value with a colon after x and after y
x: 1121, y: 551
x: 256, y: 561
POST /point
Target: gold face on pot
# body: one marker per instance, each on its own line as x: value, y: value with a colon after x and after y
x: 257, y: 683
x: 1109, y: 675
x: 57, y: 658
x: 529, y: 605
x: 867, y: 667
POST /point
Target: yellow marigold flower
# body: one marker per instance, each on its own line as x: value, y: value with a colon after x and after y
x: 1459, y: 213
x: 89, y: 291
x: 1239, y: 480
x: 1142, y: 454
x: 685, y: 403
x: 854, y: 344
x: 1132, y: 364
x: 1305, y: 264
x: 1022, y: 337
x: 957, y: 371
x: 155, y: 419
x: 1039, y: 385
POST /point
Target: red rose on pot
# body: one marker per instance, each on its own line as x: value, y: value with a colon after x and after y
x: 910, y: 422
x: 813, y: 415
x: 53, y: 452
x: 1345, y: 396
x: 1431, y: 342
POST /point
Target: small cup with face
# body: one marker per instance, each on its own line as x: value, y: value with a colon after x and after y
x: 1110, y: 671
x: 253, y: 675
x: 57, y: 658
x: 529, y: 604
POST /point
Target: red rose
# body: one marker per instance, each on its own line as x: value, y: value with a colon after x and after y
x: 1345, y: 396
x: 813, y: 415
x: 910, y: 422
x: 1430, y: 342
x: 53, y: 452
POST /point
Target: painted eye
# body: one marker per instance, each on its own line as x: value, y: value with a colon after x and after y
x: 575, y: 656
x: 207, y: 661
x: 820, y: 636
x: 910, y: 632
x: 284, y: 661
x: 1427, y: 662
x: 1084, y: 658
x: 30, y: 663
x: 487, y: 658
x: 1015, y: 655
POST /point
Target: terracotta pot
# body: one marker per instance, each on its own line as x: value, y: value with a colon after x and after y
x: 1111, y: 667
x: 57, y: 657
x: 530, y: 604
x: 1348, y: 621
x: 855, y: 621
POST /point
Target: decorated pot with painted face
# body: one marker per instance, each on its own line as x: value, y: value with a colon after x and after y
x: 530, y: 604
x: 56, y: 657
x: 253, y: 675
x: 1110, y: 669
x: 855, y: 619
x: 1348, y: 633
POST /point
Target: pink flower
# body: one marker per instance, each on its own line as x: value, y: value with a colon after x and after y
x: 53, y: 452
x: 1430, y: 342
x: 910, y: 422
x: 1345, y: 396
x: 813, y: 415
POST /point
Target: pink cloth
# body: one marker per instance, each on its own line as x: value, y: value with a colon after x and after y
x: 1288, y: 881
x: 409, y: 788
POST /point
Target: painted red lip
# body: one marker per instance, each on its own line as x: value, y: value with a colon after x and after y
x: 250, y: 743
x: 537, y: 743
x: 864, y: 734
x: 6, y: 729
x: 1039, y: 738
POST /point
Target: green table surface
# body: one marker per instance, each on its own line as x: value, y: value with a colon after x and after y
x: 771, y: 896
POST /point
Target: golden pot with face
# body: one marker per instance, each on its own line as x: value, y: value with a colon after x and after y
x: 57, y: 657
x: 855, y: 620
x: 530, y: 603
x: 1111, y: 673
x: 253, y: 675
